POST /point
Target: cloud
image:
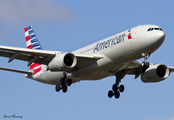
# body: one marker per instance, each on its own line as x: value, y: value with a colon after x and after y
x: 17, y: 11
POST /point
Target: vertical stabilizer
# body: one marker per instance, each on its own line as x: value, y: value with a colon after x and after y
x: 31, y: 39
x: 33, y: 43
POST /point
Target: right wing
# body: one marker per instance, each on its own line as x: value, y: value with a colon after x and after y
x: 135, y: 68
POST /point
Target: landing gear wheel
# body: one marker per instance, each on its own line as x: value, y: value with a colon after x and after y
x: 117, y: 94
x: 121, y: 88
x: 114, y: 87
x: 64, y: 88
x: 69, y: 82
x: 57, y: 88
x: 110, y: 93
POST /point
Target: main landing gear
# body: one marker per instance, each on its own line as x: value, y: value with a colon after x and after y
x: 116, y: 88
x: 64, y: 83
x: 115, y: 91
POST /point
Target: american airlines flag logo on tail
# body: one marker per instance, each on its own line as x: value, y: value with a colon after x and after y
x: 31, y: 39
x: 33, y: 43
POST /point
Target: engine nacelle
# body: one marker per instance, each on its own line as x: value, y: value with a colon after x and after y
x: 155, y: 73
x: 63, y: 62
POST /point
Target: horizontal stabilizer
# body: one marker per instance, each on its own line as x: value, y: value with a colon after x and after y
x: 14, y: 70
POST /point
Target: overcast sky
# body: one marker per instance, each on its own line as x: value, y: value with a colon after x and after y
x: 66, y: 26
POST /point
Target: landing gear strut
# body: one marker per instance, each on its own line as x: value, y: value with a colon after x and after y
x: 145, y: 64
x: 145, y: 56
x: 116, y: 88
x: 64, y: 84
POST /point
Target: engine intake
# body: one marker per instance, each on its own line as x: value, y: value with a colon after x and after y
x: 155, y: 73
x: 63, y: 62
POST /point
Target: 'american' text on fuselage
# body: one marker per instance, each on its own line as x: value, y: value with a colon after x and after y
x: 109, y: 43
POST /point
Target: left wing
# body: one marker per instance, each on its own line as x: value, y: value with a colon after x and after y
x: 43, y: 56
x: 30, y: 55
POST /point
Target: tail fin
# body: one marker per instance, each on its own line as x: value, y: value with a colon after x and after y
x: 33, y: 43
x: 31, y: 39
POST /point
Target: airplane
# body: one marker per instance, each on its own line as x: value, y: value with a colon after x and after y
x: 116, y: 56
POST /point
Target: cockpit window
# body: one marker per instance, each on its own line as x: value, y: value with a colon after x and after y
x: 156, y: 28
x: 151, y: 29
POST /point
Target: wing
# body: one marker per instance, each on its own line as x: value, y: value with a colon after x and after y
x: 15, y: 70
x: 171, y: 68
x: 135, y: 68
x: 37, y: 56
x: 43, y: 56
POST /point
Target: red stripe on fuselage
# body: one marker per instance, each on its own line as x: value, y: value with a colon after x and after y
x: 37, y: 70
x: 34, y: 65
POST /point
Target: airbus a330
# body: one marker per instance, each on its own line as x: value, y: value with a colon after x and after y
x: 116, y: 56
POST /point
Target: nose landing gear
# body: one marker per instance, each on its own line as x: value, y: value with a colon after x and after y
x: 145, y: 64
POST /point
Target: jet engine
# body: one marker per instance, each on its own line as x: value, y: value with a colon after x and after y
x: 155, y: 73
x: 63, y: 62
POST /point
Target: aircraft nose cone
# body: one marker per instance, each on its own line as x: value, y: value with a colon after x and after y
x: 153, y: 40
x: 157, y: 38
x: 160, y: 36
